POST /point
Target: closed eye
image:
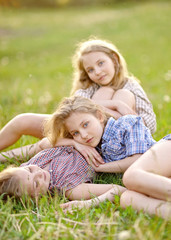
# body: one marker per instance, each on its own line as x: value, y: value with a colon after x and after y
x: 29, y: 169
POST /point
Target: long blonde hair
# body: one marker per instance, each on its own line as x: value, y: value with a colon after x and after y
x: 81, y: 78
x: 9, y: 182
x: 54, y: 127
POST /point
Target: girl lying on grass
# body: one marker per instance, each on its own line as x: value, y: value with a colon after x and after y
x: 62, y: 169
x: 100, y: 73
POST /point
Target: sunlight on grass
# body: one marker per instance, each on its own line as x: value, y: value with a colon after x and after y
x: 36, y: 47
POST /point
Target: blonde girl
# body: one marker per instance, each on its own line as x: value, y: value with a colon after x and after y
x: 60, y: 169
x: 80, y: 120
x: 98, y: 63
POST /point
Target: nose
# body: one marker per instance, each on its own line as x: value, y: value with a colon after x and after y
x: 34, y: 168
x: 84, y: 134
x: 97, y: 70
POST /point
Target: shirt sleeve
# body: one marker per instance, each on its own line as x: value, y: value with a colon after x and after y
x: 137, y: 138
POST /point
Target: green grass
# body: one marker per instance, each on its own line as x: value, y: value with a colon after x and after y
x: 36, y: 47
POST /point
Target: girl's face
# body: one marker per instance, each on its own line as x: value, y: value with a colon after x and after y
x: 99, y: 67
x: 33, y: 180
x: 85, y: 128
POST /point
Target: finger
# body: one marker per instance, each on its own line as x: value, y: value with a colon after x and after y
x: 97, y: 156
x: 64, y: 205
x: 93, y: 161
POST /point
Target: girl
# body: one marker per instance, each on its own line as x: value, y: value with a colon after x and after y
x: 148, y: 181
x: 85, y: 122
x: 62, y: 169
x: 100, y: 73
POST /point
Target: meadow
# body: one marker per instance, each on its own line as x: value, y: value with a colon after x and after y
x: 36, y: 47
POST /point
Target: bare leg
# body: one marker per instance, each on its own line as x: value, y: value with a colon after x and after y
x: 23, y: 124
x: 102, y: 96
x: 126, y: 97
x: 105, y: 93
x: 118, y: 103
x: 151, y: 173
x: 150, y: 205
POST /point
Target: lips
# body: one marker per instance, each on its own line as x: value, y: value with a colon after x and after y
x: 102, y: 77
x: 89, y: 140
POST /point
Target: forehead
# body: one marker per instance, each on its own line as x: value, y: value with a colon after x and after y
x: 76, y: 119
x: 93, y: 56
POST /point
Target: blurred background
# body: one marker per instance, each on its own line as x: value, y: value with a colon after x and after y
x: 38, y: 40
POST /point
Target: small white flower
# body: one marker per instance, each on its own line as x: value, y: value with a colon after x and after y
x: 166, y: 98
x: 124, y: 235
x: 168, y: 76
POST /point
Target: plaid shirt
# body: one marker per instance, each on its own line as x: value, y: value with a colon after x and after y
x: 67, y: 167
x: 144, y: 107
x: 124, y: 137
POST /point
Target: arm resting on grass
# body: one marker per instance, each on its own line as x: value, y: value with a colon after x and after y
x: 100, y: 192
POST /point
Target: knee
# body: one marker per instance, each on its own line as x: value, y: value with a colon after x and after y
x: 125, y: 199
x: 132, y: 178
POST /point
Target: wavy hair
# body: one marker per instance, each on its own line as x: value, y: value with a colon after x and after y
x: 81, y: 78
x: 9, y: 182
x: 54, y: 127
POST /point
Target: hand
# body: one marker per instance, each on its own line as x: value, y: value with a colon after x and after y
x: 44, y: 143
x: 90, y: 154
x: 69, y: 206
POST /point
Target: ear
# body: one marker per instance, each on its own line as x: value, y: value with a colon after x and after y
x: 100, y: 116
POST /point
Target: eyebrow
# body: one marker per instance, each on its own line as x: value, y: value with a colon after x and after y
x: 99, y: 60
x: 79, y: 125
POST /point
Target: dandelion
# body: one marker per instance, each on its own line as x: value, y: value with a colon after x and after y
x: 166, y: 98
x: 45, y: 99
x: 168, y: 76
x: 124, y: 235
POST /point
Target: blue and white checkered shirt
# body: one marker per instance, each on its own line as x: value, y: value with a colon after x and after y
x: 124, y: 137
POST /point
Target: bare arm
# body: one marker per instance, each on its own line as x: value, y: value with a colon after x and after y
x: 88, y: 190
x: 107, y: 191
x: 117, y: 166
x: 122, y: 102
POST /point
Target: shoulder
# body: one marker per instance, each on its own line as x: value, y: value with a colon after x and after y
x: 122, y: 124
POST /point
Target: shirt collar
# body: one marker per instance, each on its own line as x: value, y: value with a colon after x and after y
x: 108, y: 128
